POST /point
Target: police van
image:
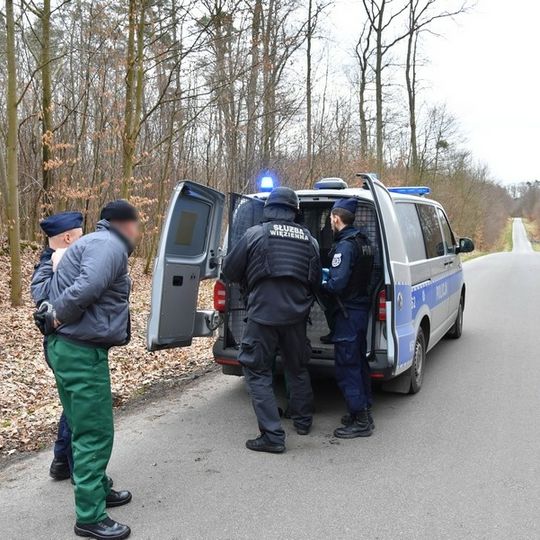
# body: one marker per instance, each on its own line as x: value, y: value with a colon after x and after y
x: 417, y: 285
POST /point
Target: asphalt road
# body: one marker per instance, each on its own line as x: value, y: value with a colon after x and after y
x: 461, y: 459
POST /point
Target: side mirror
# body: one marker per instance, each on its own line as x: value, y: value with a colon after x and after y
x: 466, y: 245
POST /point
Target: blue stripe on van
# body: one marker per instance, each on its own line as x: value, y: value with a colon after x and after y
x: 430, y: 293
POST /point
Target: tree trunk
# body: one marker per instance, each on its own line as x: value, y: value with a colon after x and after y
x: 11, y: 160
x: 309, y: 129
x: 128, y: 143
x: 46, y: 105
x: 379, y: 120
x: 251, y: 97
x: 410, y: 78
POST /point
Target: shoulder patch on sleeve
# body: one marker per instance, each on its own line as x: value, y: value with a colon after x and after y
x: 336, y: 261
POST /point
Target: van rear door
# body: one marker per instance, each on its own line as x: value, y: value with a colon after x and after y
x: 188, y: 253
x: 245, y: 211
x: 400, y: 332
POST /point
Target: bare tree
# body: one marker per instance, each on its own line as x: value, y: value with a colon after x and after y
x: 12, y: 172
x: 422, y: 15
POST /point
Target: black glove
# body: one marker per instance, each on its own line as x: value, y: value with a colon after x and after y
x: 44, y: 317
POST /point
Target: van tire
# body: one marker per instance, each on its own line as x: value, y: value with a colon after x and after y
x: 457, y: 328
x: 419, y: 363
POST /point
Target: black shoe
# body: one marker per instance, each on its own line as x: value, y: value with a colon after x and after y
x: 303, y: 430
x: 59, y: 470
x: 348, y: 419
x: 360, y: 427
x: 260, y: 444
x: 329, y: 338
x: 117, y: 498
x: 108, y: 529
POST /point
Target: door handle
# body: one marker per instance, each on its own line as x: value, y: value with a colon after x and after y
x: 447, y: 263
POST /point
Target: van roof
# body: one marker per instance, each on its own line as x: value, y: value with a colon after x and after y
x: 349, y: 192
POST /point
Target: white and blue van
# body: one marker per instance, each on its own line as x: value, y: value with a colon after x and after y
x: 418, y: 286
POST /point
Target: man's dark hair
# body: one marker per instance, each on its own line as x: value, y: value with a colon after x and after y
x: 345, y: 216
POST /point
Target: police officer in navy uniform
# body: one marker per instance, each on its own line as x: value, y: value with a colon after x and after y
x: 348, y: 285
x: 62, y: 230
x: 278, y: 265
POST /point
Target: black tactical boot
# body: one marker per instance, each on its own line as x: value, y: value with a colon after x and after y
x: 117, y: 498
x: 302, y: 430
x: 59, y: 470
x: 360, y: 427
x: 348, y: 419
x: 108, y: 529
x: 260, y: 444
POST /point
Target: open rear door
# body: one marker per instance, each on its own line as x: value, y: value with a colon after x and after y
x: 400, y: 333
x: 188, y: 253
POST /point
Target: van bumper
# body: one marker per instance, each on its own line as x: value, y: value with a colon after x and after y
x: 227, y: 358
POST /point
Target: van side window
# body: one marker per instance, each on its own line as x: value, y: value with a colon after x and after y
x: 449, y: 239
x: 411, y: 230
x: 432, y: 230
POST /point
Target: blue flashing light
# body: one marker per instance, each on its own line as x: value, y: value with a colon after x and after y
x: 419, y: 191
x: 267, y: 183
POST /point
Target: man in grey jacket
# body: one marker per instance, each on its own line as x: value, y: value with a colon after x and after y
x: 89, y: 297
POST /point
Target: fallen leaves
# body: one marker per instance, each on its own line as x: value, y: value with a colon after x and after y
x: 29, y: 405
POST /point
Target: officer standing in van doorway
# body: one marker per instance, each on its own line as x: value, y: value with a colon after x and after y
x: 62, y: 230
x: 348, y: 283
x: 278, y: 265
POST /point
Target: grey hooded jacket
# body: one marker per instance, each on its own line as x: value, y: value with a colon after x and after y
x: 90, y: 289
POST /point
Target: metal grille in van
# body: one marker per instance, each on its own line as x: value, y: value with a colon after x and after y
x: 247, y: 212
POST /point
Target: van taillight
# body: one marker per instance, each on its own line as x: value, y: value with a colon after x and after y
x: 220, y: 296
x: 381, y: 315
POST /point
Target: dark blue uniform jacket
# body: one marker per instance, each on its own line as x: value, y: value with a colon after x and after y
x: 344, y: 255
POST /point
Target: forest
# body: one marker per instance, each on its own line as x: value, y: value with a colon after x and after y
x: 106, y: 99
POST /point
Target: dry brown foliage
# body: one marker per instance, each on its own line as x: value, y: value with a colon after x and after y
x: 29, y: 405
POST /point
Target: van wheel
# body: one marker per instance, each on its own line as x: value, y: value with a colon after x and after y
x: 457, y: 329
x: 419, y: 362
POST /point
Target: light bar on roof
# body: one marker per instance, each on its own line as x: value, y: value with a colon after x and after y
x: 419, y: 191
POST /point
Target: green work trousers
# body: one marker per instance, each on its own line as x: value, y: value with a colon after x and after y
x: 84, y: 385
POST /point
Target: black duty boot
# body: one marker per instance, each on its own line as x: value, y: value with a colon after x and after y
x: 117, y: 498
x: 302, y: 430
x: 260, y: 444
x: 348, y: 419
x: 360, y: 427
x: 59, y: 470
x: 108, y: 529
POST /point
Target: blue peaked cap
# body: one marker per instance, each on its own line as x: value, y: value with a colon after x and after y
x: 62, y: 222
x: 347, y: 204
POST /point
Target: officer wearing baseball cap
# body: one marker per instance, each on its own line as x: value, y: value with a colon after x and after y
x: 348, y: 286
x: 278, y: 265
x: 89, y: 310
x: 62, y: 230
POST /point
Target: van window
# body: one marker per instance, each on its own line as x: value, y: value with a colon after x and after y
x: 431, y: 229
x: 411, y: 231
x: 449, y: 239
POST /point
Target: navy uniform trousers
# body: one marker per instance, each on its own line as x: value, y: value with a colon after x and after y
x: 260, y: 344
x: 352, y: 368
x: 62, y: 445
